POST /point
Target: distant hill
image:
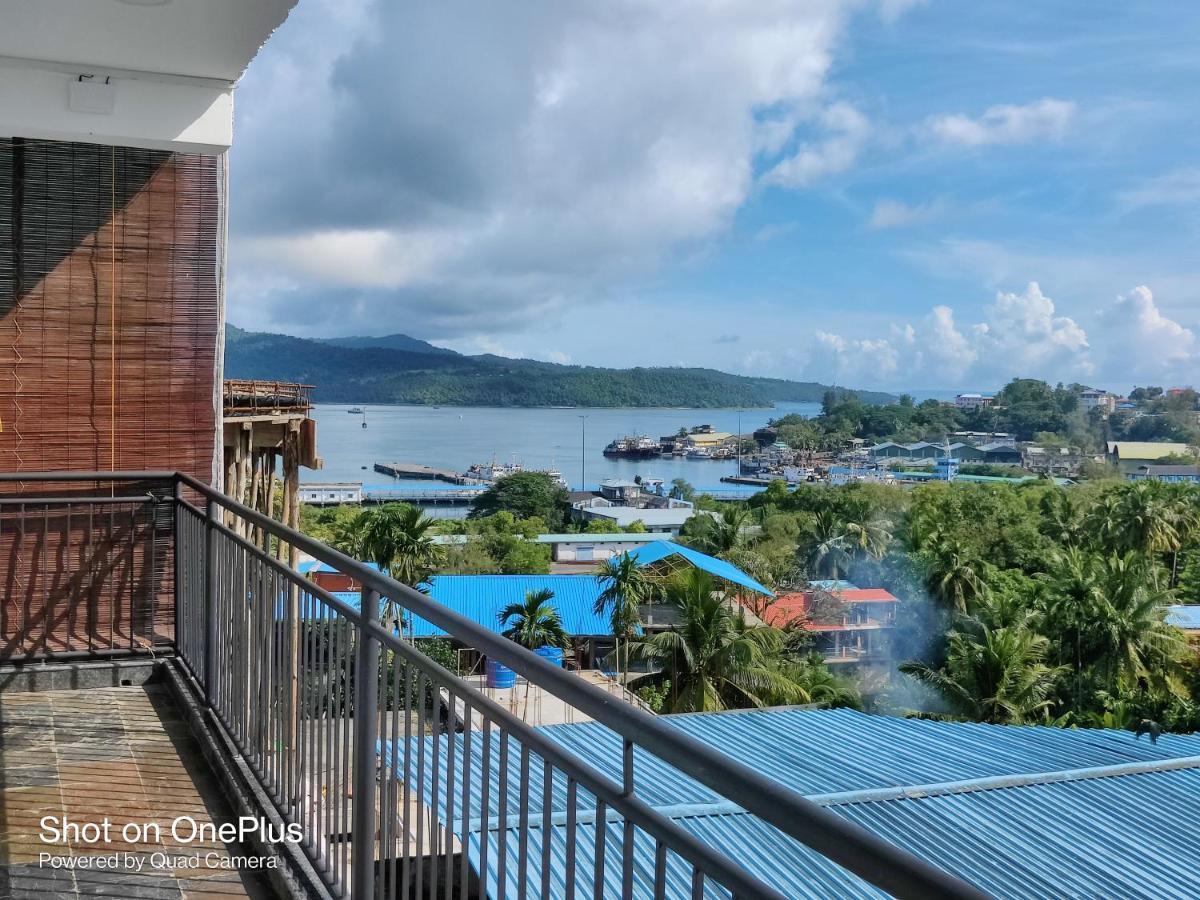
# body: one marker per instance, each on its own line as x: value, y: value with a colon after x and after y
x: 402, y: 369
x: 389, y: 342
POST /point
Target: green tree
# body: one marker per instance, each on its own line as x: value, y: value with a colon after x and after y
x: 712, y: 657
x: 525, y: 495
x: 993, y: 675
x: 534, y: 622
x: 399, y: 539
x: 624, y: 588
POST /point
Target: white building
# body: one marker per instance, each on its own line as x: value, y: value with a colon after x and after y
x: 587, y: 548
x: 973, y: 401
x: 332, y: 493
x: 1094, y: 398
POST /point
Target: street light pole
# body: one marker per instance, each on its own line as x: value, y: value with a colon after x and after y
x: 583, y: 453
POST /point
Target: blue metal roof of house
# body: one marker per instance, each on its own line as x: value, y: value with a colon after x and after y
x: 1018, y: 811
x: 308, y: 566
x: 1184, y: 616
x: 718, y: 568
x: 481, y: 597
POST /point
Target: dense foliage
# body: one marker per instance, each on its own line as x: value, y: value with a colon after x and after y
x: 1020, y: 604
x: 1030, y: 409
x: 391, y: 370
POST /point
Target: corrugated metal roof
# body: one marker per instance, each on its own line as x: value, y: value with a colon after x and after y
x: 1150, y: 450
x: 659, y: 550
x: 1184, y: 616
x: 1094, y: 834
x: 481, y: 597
x: 621, y: 537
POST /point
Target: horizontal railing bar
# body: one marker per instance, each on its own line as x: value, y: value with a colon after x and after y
x: 719, y: 866
x: 870, y: 857
x: 23, y: 500
x: 93, y: 476
x: 852, y: 846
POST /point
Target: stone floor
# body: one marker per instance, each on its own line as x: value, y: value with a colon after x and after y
x: 121, y: 753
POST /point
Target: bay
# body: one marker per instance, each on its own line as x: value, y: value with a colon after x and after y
x: 456, y: 437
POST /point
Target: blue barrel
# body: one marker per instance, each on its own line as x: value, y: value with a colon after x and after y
x: 500, y: 675
x: 553, y: 655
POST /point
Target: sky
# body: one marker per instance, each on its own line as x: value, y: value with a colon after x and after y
x: 920, y: 194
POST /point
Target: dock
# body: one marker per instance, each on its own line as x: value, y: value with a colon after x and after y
x: 419, y: 472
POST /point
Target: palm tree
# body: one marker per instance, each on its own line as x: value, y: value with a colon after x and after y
x: 533, y: 623
x: 830, y: 554
x: 953, y: 575
x: 624, y: 589
x: 722, y: 534
x: 838, y: 540
x: 997, y: 675
x: 397, y: 537
x: 1110, y: 614
x: 712, y: 658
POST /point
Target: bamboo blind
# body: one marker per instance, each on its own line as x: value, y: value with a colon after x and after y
x: 110, y: 272
x: 109, y: 307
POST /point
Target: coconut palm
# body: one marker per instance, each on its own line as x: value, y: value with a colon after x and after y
x: 624, y: 588
x: 837, y: 540
x: 533, y: 623
x: 954, y: 577
x: 721, y: 534
x: 993, y: 675
x: 712, y: 658
x: 1110, y: 616
x: 830, y: 554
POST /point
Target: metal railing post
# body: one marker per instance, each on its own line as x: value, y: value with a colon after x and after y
x: 212, y: 513
x: 366, y: 708
x: 177, y: 542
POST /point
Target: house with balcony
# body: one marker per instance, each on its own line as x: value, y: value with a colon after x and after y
x: 849, y: 624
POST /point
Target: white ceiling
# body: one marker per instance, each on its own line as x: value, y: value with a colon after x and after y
x: 198, y: 38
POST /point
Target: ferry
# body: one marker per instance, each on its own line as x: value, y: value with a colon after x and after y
x: 637, y: 446
x: 493, y: 470
x: 355, y: 410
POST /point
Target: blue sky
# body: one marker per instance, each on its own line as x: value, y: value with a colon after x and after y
x: 895, y: 194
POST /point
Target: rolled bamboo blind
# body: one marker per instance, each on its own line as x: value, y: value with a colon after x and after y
x: 109, y: 307
x: 110, y: 268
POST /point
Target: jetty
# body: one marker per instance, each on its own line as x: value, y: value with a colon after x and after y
x: 419, y: 472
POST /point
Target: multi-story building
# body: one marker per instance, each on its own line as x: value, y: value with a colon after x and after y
x: 973, y: 401
x: 849, y: 624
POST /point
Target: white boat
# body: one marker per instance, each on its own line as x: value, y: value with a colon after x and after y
x: 699, y: 453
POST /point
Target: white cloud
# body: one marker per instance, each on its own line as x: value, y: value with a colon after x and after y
x: 462, y: 169
x: 1143, y: 343
x: 846, y: 132
x: 1046, y: 119
x: 1021, y: 334
x: 891, y: 10
x: 1181, y: 186
x: 895, y: 214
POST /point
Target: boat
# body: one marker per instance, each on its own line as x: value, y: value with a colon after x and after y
x: 699, y: 453
x: 637, y: 446
x: 491, y: 471
x: 355, y: 411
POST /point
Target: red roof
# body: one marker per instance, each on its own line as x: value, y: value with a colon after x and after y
x: 789, y: 608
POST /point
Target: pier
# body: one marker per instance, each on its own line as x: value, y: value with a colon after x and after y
x: 419, y: 472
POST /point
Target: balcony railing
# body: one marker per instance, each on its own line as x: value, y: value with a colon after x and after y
x: 406, y: 780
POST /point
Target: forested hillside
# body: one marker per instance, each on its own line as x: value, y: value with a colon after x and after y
x: 399, y: 369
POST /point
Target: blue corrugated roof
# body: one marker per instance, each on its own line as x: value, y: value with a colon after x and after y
x: 1184, y: 616
x: 1106, y: 834
x: 308, y: 566
x: 481, y: 597
x: 652, y: 553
